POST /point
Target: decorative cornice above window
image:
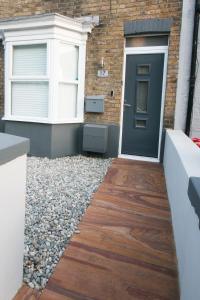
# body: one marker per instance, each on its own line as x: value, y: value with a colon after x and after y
x: 147, y: 26
x: 42, y: 21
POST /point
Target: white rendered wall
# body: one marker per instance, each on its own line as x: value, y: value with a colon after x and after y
x: 12, y: 215
x: 181, y: 161
x: 195, y: 121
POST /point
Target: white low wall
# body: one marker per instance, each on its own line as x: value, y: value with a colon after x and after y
x: 13, y: 151
x: 12, y: 212
x: 182, y: 161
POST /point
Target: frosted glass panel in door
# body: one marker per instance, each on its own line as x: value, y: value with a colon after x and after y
x: 30, y: 60
x: 67, y: 101
x: 68, y: 62
x: 142, y: 96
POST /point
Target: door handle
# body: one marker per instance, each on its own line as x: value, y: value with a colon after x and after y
x: 127, y: 105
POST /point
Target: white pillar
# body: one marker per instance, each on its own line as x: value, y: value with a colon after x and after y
x: 185, y: 56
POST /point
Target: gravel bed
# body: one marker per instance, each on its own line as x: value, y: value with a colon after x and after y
x: 58, y: 194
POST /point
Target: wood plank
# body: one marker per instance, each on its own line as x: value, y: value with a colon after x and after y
x: 125, y: 248
x: 26, y: 293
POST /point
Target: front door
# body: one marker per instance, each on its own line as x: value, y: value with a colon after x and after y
x: 142, y: 104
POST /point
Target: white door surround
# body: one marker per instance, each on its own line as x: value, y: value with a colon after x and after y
x: 144, y: 50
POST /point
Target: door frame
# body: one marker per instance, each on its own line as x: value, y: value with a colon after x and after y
x: 144, y: 50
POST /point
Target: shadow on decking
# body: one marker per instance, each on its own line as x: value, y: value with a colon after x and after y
x: 125, y: 249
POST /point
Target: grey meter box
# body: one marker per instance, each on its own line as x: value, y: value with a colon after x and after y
x: 94, y: 104
x: 95, y: 138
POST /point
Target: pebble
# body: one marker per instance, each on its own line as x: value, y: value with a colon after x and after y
x: 58, y: 194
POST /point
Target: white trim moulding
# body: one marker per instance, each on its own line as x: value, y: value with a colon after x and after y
x: 144, y: 50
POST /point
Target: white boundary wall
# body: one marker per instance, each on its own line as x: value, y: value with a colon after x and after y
x: 12, y: 214
x: 181, y: 161
x: 13, y: 152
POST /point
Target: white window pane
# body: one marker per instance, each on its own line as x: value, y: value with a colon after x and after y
x: 30, y: 99
x: 67, y: 101
x: 30, y: 60
x: 68, y: 62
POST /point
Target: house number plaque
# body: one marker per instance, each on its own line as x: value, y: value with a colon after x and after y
x: 102, y: 73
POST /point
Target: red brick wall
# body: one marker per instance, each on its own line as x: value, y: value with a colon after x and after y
x: 107, y: 41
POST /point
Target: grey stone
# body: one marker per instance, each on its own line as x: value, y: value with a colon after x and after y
x: 58, y: 194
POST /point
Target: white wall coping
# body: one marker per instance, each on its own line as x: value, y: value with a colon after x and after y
x: 12, y: 146
x: 189, y: 153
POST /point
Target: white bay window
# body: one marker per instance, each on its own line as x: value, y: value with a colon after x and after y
x: 45, y: 69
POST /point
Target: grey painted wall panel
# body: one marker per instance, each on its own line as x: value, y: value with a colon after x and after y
x: 57, y: 140
x: 46, y: 139
x: 147, y: 26
x: 64, y: 140
x: 113, y: 140
x: 39, y: 135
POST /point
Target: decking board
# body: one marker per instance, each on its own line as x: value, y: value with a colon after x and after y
x: 125, y: 248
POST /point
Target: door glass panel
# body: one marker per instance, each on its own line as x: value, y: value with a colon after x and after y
x: 143, y: 69
x: 141, y: 123
x: 142, y: 96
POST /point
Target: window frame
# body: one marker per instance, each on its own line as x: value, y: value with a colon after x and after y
x: 30, y: 79
x: 51, y: 78
x: 79, y: 117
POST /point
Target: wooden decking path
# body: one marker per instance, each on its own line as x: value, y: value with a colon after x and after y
x: 125, y: 249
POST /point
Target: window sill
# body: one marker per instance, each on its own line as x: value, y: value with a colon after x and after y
x: 43, y: 120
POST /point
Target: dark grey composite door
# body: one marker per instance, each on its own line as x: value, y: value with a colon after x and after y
x: 142, y: 104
